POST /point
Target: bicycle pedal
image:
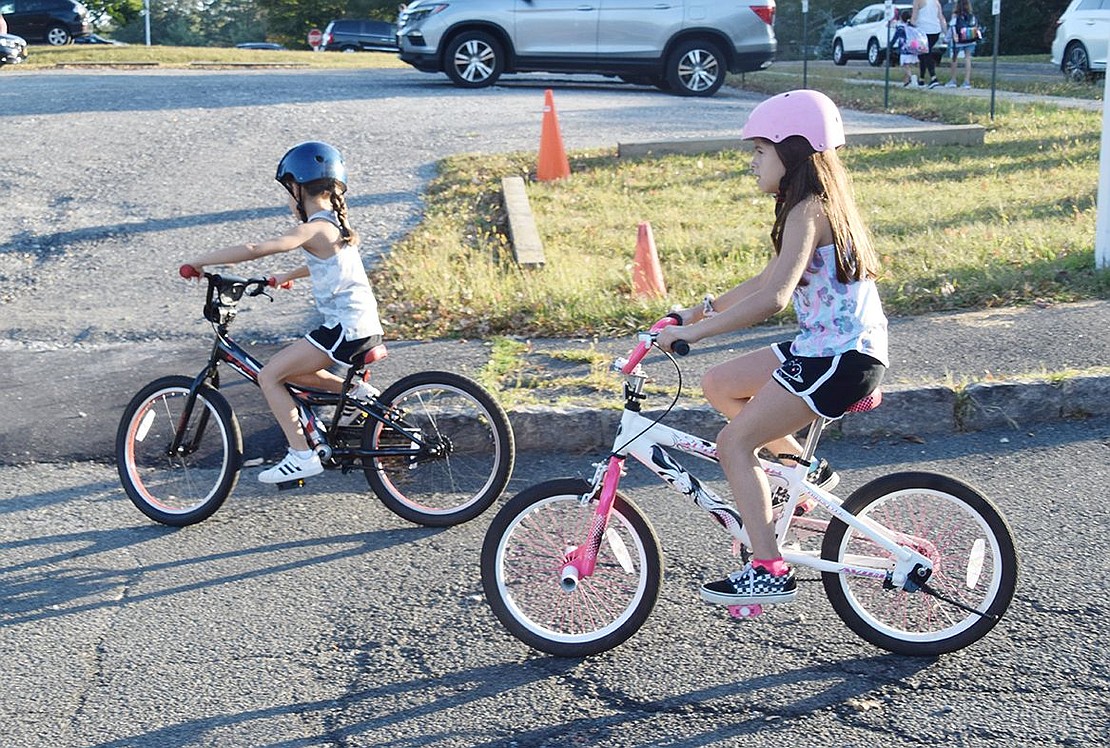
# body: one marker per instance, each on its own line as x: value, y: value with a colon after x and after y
x: 286, y: 485
x: 744, y: 612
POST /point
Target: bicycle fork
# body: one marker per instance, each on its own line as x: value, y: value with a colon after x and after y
x: 580, y: 562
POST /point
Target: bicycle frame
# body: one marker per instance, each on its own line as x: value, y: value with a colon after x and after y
x: 649, y: 444
x: 227, y: 350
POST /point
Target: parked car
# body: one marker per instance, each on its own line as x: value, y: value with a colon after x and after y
x: 54, y: 22
x: 864, y: 35
x: 13, y: 49
x: 272, y: 46
x: 1082, y: 38
x: 355, y: 34
x: 685, y: 46
x: 98, y: 39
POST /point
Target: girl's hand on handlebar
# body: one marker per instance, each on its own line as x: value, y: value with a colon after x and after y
x: 190, y: 271
x: 669, y: 336
x: 281, y: 281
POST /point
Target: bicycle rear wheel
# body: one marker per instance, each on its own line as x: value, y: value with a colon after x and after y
x: 467, y: 454
x: 189, y: 485
x: 524, y: 553
x: 959, y: 530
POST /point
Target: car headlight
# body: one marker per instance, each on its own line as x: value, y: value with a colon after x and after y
x: 417, y: 12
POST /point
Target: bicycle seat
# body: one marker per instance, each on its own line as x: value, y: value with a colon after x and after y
x: 868, y: 403
x: 369, y: 356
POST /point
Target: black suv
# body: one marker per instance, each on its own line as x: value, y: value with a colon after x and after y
x: 354, y: 34
x: 55, y: 22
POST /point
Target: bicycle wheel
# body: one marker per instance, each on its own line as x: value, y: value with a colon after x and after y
x: 467, y: 455
x: 959, y: 530
x: 525, y: 550
x: 190, y: 485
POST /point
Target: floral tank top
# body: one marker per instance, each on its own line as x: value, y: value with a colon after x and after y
x: 836, y: 317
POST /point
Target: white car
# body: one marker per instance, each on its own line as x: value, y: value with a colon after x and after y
x: 1082, y: 38
x: 865, y: 37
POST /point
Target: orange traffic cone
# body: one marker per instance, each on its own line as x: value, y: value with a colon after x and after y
x: 647, y: 276
x: 552, y: 163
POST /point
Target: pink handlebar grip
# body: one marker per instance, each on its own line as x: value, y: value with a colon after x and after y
x: 284, y: 286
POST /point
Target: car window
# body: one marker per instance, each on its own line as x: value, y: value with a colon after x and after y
x: 1090, y: 5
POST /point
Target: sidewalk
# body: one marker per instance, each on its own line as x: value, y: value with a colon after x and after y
x: 1008, y: 368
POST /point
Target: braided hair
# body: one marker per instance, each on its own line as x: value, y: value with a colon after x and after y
x: 336, y: 191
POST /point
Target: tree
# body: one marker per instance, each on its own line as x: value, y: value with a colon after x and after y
x: 289, y: 21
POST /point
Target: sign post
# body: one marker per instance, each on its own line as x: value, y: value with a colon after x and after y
x: 1102, y: 206
x: 888, y: 14
x: 315, y: 39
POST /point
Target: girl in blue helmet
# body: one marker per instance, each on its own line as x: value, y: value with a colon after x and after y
x: 824, y: 263
x: 316, y: 178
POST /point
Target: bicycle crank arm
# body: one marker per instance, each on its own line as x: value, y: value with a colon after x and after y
x: 928, y: 589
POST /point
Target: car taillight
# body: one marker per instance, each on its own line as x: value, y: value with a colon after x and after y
x: 765, y: 12
x: 328, y: 39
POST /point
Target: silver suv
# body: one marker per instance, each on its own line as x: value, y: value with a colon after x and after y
x: 683, y: 46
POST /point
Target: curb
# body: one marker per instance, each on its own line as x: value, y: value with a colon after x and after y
x: 906, y: 411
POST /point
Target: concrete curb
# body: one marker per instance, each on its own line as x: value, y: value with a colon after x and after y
x: 906, y: 411
x: 971, y: 135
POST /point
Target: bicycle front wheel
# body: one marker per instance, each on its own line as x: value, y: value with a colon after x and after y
x: 454, y: 449
x: 954, y: 526
x: 188, y: 485
x: 523, y: 556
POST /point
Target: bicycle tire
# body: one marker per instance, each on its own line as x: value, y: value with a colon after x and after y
x: 473, y: 469
x: 963, y: 534
x: 189, y: 487
x: 523, y: 554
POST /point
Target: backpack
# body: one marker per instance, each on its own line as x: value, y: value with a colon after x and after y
x: 967, y: 30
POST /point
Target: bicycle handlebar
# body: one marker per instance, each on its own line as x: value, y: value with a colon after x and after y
x: 680, y: 347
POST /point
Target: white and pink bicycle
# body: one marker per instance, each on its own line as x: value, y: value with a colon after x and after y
x: 915, y: 563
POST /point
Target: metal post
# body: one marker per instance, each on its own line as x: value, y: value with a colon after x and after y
x: 888, y: 13
x: 996, y: 9
x: 146, y: 20
x: 805, y: 43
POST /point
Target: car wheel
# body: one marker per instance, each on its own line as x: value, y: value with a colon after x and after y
x: 874, y: 53
x: 1076, y: 64
x: 348, y: 48
x: 696, y: 68
x: 839, y: 58
x: 474, y: 59
x: 56, y: 36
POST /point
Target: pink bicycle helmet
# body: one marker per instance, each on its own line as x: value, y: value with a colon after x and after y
x: 810, y: 114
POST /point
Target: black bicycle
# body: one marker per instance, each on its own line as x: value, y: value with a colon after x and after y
x: 435, y: 447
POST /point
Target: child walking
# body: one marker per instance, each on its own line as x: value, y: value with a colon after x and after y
x: 316, y: 178
x: 824, y: 262
x: 906, y: 58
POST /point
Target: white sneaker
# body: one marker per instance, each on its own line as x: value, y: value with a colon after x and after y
x: 951, y: 83
x: 292, y: 468
x: 967, y: 85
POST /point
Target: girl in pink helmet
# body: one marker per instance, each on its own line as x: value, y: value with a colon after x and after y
x: 824, y: 263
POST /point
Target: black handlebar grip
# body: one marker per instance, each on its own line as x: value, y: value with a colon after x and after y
x: 681, y: 347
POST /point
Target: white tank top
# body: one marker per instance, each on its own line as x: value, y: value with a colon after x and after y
x: 342, y: 290
x: 928, y: 18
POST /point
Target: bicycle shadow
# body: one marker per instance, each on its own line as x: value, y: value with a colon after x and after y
x: 40, y: 589
x: 825, y: 684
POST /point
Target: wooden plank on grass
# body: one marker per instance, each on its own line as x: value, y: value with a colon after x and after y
x: 525, y: 239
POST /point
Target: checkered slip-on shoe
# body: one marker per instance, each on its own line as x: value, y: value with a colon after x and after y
x: 823, y: 476
x: 751, y: 585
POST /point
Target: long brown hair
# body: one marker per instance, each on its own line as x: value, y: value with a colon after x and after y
x: 336, y: 190
x: 810, y: 173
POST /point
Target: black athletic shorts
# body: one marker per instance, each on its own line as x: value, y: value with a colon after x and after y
x: 333, y: 342
x: 829, y: 384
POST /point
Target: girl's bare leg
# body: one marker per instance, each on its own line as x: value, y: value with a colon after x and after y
x: 300, y: 362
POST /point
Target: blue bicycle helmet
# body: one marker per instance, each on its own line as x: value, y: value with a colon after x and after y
x: 309, y: 162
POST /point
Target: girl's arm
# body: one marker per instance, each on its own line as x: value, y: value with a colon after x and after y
x: 292, y: 275
x: 290, y: 240
x: 768, y: 293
